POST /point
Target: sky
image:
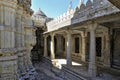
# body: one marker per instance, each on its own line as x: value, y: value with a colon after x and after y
x: 53, y: 8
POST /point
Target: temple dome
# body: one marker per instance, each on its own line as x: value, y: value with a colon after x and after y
x: 39, y: 13
x: 39, y: 18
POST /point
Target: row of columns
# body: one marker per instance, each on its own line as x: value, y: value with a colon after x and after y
x: 92, y: 55
x: 69, y: 60
x: 51, y: 46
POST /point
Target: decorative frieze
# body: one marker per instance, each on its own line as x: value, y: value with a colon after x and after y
x: 83, y: 12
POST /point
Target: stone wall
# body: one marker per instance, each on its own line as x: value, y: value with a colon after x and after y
x: 16, y: 38
x: 37, y: 51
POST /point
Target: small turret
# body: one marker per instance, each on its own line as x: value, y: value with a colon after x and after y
x: 80, y: 3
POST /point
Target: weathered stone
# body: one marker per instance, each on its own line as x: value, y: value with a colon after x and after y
x: 15, y: 38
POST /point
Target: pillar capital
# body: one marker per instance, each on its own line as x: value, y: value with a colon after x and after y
x: 68, y: 31
x: 52, y: 34
x: 45, y: 36
x: 92, y: 26
x: 82, y: 34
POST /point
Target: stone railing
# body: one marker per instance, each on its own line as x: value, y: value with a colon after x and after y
x: 61, y: 21
x: 93, y: 11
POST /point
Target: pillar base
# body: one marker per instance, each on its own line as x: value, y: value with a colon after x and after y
x: 92, y: 71
x: 8, y: 68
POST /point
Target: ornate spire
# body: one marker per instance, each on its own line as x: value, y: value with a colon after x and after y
x: 80, y: 2
x: 70, y: 5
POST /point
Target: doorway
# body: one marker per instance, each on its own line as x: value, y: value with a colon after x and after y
x: 98, y: 46
x: 116, y: 48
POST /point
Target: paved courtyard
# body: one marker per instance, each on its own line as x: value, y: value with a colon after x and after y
x: 44, y: 72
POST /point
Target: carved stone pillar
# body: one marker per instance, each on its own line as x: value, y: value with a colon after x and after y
x: 92, y: 63
x: 69, y: 59
x: 52, y: 47
x: 107, y: 51
x: 83, y: 47
x: 45, y: 46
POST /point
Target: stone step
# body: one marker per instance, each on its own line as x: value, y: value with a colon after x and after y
x: 47, y: 61
x: 56, y: 70
x: 76, y: 58
x: 72, y: 75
